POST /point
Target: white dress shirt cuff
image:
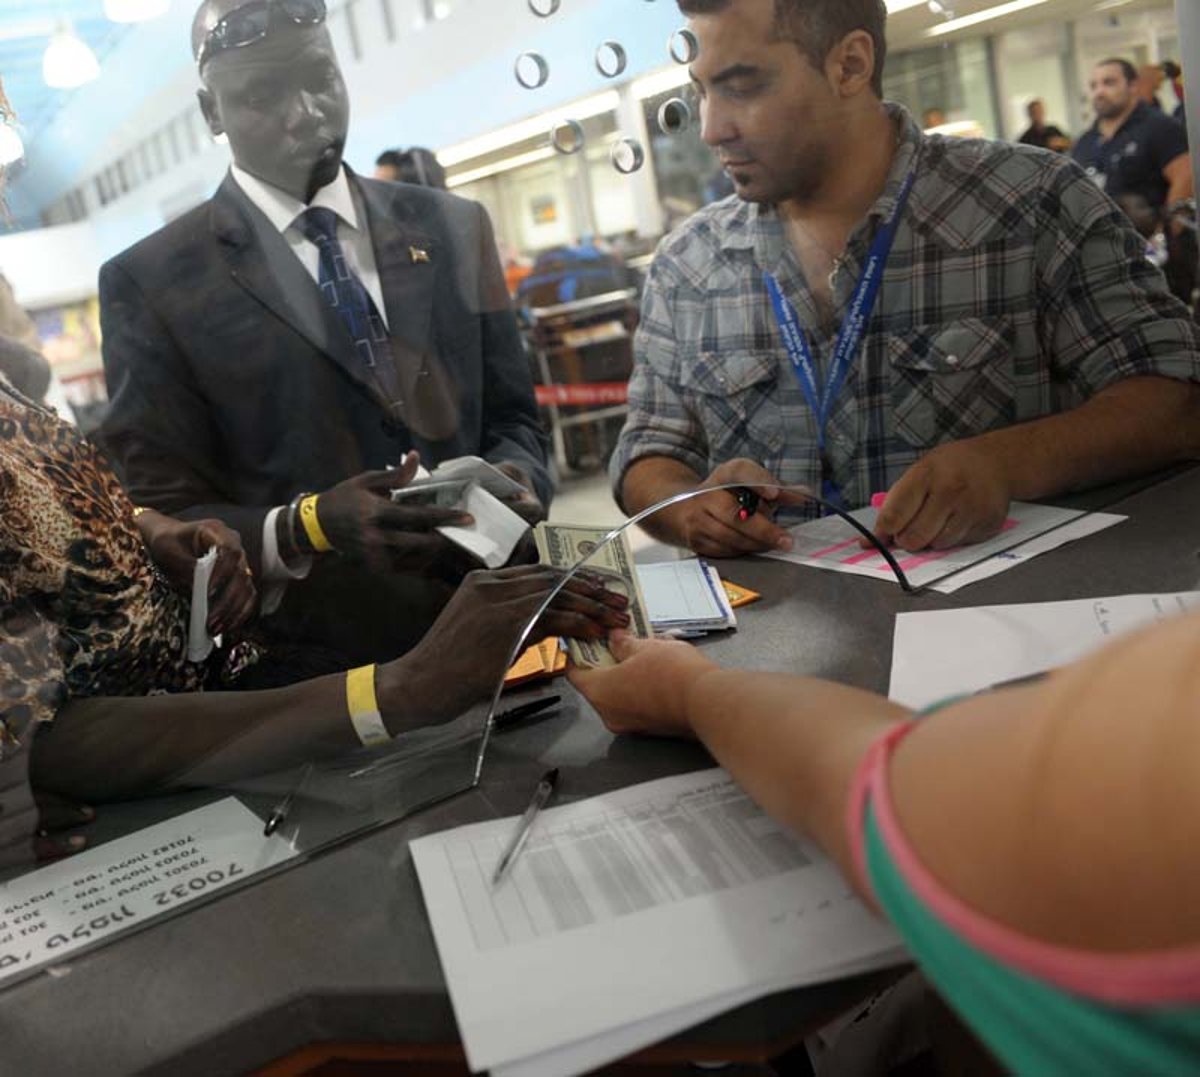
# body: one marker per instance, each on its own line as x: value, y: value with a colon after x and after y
x: 276, y: 572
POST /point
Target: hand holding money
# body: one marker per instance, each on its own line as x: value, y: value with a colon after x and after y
x: 564, y: 546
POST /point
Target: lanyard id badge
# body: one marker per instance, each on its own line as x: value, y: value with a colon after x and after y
x: 849, y: 338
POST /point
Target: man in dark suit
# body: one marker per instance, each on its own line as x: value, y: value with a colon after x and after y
x: 302, y: 331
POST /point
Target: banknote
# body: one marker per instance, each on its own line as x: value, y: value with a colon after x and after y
x: 563, y: 546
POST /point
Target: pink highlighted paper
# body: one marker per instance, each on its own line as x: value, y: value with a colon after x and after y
x: 830, y: 543
x: 911, y: 563
x: 920, y: 559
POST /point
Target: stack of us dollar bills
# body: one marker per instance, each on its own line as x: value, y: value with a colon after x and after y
x: 679, y: 598
x: 565, y: 546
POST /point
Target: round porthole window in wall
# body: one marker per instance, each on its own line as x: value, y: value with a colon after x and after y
x: 566, y: 137
x: 674, y: 116
x: 627, y: 155
x: 611, y: 59
x: 532, y: 70
x: 683, y: 47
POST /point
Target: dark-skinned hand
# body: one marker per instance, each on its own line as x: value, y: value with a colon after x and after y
x: 466, y: 651
x: 363, y: 525
x: 49, y: 842
x: 176, y: 546
x: 56, y: 815
x: 527, y: 505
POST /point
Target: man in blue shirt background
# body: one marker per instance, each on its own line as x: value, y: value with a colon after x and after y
x: 1133, y: 148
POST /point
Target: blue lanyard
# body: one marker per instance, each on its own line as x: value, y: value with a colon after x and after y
x: 850, y: 336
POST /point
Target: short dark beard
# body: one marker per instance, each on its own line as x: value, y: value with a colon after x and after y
x: 803, y: 184
x: 809, y: 178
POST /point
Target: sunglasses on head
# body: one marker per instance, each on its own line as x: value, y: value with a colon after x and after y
x: 252, y: 21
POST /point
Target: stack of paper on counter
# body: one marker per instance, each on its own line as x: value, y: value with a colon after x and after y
x: 630, y: 917
x: 685, y: 598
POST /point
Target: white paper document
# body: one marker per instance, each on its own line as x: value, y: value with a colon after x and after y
x: 831, y: 543
x: 592, y: 1053
x: 200, y: 644
x: 1088, y: 524
x: 630, y: 916
x: 476, y: 469
x: 50, y: 912
x: 496, y: 530
x: 943, y: 653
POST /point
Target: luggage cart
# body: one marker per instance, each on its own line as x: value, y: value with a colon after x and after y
x: 584, y: 355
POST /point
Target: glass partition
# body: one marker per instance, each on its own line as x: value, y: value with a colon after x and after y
x: 293, y: 251
x: 161, y: 856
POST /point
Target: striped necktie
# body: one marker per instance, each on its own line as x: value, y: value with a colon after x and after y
x: 347, y: 295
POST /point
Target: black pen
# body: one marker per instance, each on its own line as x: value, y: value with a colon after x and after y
x: 543, y: 792
x: 281, y: 810
x: 747, y: 501
x: 511, y: 717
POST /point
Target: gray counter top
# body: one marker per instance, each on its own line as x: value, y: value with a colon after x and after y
x: 339, y: 948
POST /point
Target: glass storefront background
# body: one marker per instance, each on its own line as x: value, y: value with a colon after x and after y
x: 981, y: 81
x: 430, y: 72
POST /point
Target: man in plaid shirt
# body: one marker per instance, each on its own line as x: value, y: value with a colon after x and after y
x: 1019, y: 345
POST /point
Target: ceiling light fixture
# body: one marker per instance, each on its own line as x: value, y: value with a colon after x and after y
x: 68, y: 61
x: 535, y: 127
x: 135, y: 10
x: 997, y: 12
x: 506, y: 165
x: 664, y: 81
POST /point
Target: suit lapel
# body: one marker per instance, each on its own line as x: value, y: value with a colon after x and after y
x: 407, y: 259
x: 409, y: 263
x: 261, y: 262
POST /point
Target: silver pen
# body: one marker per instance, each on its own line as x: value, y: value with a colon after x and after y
x: 543, y: 792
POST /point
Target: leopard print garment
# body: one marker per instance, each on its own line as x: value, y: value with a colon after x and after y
x: 82, y: 610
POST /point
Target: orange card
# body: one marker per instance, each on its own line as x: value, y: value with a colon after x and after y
x: 739, y: 596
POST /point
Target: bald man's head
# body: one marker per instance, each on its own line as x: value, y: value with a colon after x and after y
x: 279, y: 95
x: 221, y: 25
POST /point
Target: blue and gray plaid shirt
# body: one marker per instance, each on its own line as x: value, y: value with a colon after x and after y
x: 1015, y: 290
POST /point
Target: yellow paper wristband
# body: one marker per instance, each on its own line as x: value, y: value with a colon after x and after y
x: 364, y: 708
x: 312, y: 526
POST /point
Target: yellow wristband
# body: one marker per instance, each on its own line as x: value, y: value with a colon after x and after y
x: 312, y: 526
x: 364, y: 708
